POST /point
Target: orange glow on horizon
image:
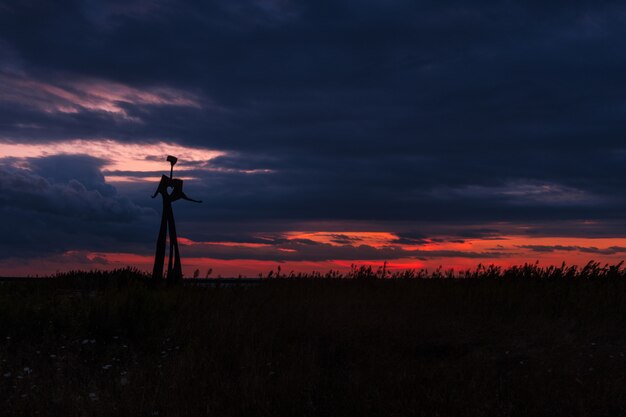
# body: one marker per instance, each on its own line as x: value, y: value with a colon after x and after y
x: 183, y: 241
x: 374, y: 239
x: 508, y: 247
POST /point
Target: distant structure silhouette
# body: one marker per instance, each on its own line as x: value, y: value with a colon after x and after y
x: 174, y: 268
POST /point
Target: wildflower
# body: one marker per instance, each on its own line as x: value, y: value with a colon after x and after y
x: 28, y: 370
x: 107, y: 366
x: 84, y: 342
x: 93, y: 396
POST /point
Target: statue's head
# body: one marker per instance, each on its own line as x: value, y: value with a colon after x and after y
x: 172, y: 159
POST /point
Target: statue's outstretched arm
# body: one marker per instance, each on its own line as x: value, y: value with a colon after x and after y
x: 183, y: 196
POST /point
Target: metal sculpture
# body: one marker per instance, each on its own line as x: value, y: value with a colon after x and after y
x: 174, y: 268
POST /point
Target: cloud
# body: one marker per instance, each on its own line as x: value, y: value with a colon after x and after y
x: 62, y: 194
x: 63, y: 203
x: 134, y: 161
x: 560, y: 248
x: 308, y: 250
x: 75, y: 95
x: 66, y: 169
x: 410, y: 116
x: 411, y: 238
x: 343, y: 239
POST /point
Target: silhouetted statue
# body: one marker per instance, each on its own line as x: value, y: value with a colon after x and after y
x: 174, y: 269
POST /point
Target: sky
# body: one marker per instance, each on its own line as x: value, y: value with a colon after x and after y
x: 319, y: 134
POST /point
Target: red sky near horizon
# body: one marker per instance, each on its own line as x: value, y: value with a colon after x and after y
x: 75, y: 260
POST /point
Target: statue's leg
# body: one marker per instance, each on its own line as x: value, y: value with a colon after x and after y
x: 159, y: 256
x: 170, y: 219
x: 171, y: 252
x: 175, y: 271
x: 178, y: 269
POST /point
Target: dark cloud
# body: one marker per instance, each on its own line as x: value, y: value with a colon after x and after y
x: 601, y: 251
x: 63, y: 194
x: 61, y: 169
x: 342, y: 239
x: 66, y: 210
x: 411, y: 238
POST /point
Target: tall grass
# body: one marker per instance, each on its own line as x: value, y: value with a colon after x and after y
x: 501, y: 342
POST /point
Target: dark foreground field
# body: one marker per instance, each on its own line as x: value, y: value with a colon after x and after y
x: 519, y: 345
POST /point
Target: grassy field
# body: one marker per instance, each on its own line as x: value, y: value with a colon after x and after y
x: 520, y: 342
